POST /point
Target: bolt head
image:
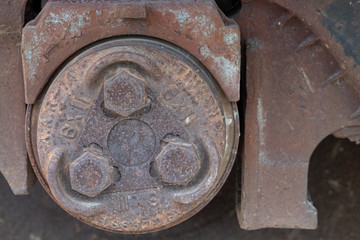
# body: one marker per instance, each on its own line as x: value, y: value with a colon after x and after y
x: 124, y: 94
x: 90, y: 174
x: 177, y: 163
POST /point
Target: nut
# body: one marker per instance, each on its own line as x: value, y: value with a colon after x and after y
x: 124, y: 94
x: 177, y: 163
x: 90, y: 174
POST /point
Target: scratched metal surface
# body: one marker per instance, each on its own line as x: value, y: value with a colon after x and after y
x: 334, y: 188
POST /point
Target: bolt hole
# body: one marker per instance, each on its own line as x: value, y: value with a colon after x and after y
x: 95, y: 148
x: 144, y: 110
x: 148, y: 105
x: 170, y: 138
x: 107, y: 113
x: 116, y: 175
x: 153, y: 172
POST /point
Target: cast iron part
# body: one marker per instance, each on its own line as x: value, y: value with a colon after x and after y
x: 133, y: 135
x: 302, y: 85
x: 64, y: 27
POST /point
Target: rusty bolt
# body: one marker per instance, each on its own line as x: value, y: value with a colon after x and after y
x: 124, y: 94
x: 177, y: 163
x: 90, y: 174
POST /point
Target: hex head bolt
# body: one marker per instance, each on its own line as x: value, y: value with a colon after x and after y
x: 90, y: 174
x: 177, y: 163
x: 125, y: 94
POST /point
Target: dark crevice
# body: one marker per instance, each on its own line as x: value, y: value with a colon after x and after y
x: 333, y: 183
x: 32, y: 9
x: 242, y: 110
x: 229, y: 7
x: 243, y: 93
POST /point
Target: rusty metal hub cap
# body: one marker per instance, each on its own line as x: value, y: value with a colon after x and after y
x: 133, y: 135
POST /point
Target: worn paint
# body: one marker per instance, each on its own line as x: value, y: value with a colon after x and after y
x: 228, y: 67
x: 204, y: 25
x: 230, y: 38
x: 182, y: 16
x: 56, y: 35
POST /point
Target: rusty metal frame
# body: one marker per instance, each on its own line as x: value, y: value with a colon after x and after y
x: 48, y: 40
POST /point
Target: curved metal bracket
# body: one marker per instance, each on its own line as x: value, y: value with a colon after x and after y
x: 195, y: 193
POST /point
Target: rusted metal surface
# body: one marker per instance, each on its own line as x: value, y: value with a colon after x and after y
x: 301, y: 87
x: 333, y: 184
x: 14, y: 164
x: 133, y: 135
x: 177, y: 163
x: 64, y: 27
x: 125, y: 94
x: 90, y: 174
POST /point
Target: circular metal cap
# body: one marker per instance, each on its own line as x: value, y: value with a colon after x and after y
x: 133, y: 135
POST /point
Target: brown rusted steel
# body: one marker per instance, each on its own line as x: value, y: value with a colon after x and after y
x: 133, y: 135
x: 300, y: 88
x: 125, y: 94
x: 90, y: 174
x: 177, y: 163
x: 64, y: 27
x: 14, y: 164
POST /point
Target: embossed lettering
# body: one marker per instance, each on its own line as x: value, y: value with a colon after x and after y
x: 68, y: 131
x: 122, y: 203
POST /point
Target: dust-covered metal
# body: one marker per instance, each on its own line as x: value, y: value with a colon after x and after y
x: 64, y: 27
x: 133, y: 135
x: 302, y: 85
x: 14, y: 164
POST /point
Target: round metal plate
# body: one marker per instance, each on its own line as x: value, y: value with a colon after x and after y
x: 178, y: 107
